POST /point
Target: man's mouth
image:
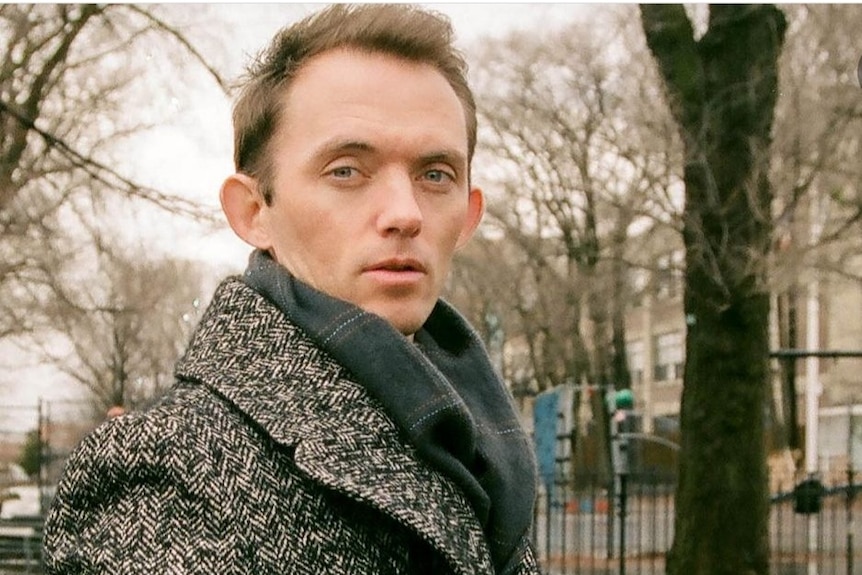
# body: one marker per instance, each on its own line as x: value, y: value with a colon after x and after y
x: 398, y: 265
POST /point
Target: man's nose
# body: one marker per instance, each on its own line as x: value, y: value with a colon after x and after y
x: 399, y: 213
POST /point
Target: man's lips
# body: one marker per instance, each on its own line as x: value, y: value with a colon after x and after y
x: 396, y: 273
x: 397, y: 265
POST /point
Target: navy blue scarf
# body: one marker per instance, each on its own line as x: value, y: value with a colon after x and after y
x: 441, y: 391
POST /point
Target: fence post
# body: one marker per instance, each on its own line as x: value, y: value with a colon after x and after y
x: 620, y: 403
x: 40, y: 440
x: 850, y: 490
x: 623, y: 495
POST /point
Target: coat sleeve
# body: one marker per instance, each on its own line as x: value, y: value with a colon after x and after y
x: 128, y: 504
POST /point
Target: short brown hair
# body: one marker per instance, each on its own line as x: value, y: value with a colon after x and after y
x: 399, y: 30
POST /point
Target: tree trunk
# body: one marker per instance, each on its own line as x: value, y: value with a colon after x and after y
x: 787, y: 338
x: 722, y: 91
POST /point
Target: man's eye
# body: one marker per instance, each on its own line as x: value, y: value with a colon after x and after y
x: 438, y: 176
x: 343, y: 172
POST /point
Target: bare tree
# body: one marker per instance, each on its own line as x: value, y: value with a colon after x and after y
x: 815, y: 164
x: 563, y: 136
x: 120, y: 337
x: 818, y: 120
x: 69, y: 76
x: 572, y: 163
x: 722, y: 90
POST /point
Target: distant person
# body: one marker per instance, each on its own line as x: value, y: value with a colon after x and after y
x: 332, y: 415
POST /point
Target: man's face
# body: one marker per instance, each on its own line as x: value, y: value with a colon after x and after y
x: 370, y: 183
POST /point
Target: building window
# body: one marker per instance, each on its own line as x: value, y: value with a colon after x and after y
x: 668, y: 356
x: 668, y: 278
x: 635, y: 354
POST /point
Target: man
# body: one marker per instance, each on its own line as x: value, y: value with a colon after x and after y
x: 331, y: 415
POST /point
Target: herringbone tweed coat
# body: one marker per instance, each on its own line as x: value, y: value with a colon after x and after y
x: 264, y: 458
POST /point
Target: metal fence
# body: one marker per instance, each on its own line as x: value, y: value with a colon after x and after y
x: 21, y: 545
x: 580, y: 529
x: 585, y: 523
x: 56, y: 427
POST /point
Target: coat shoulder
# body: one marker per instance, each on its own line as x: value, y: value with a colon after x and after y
x: 192, y: 486
x: 142, y: 442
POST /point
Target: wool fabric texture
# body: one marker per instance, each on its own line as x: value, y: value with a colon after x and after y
x: 441, y: 390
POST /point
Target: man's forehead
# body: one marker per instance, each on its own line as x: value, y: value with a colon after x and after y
x: 344, y: 65
x: 354, y: 101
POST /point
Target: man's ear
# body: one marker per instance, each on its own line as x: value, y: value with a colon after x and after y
x: 243, y: 205
x: 475, y: 210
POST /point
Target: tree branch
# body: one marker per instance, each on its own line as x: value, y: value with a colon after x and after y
x: 108, y: 176
x: 180, y: 37
x: 670, y: 38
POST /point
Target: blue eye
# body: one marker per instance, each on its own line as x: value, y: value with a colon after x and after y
x: 343, y: 172
x: 437, y: 176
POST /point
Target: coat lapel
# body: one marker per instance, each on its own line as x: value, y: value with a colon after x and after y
x: 247, y: 351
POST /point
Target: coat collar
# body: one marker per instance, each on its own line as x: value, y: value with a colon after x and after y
x: 249, y: 353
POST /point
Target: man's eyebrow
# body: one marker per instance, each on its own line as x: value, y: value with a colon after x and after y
x: 338, y: 146
x: 449, y: 156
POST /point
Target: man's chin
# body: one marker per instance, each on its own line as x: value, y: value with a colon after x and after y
x: 406, y: 321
